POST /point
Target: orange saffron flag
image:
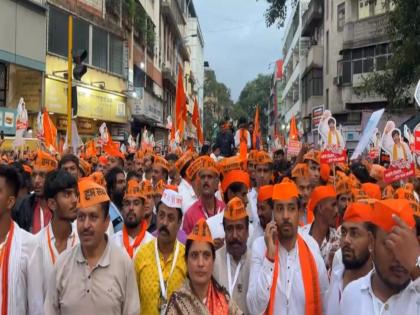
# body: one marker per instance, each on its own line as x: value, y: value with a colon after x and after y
x: 180, y: 104
x: 293, y: 133
x: 256, y: 135
x: 50, y: 131
x: 196, y: 121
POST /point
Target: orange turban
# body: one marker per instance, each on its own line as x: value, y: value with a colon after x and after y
x: 324, y: 172
x: 262, y: 157
x: 372, y: 190
x: 98, y: 177
x: 313, y: 155
x: 200, y: 163
x: 285, y: 191
x: 91, y: 193
x: 208, y: 164
x: 85, y: 167
x: 231, y: 163
x: 358, y: 212
x: 235, y: 176
x: 235, y: 210
x: 343, y: 187
x: 201, y: 232
x: 265, y: 193
x: 44, y: 162
x: 160, y: 161
x: 300, y: 170
x: 384, y: 209
x: 319, y: 194
x: 146, y: 188
x: 183, y: 160
x: 133, y: 190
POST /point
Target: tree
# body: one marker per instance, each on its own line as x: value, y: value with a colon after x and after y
x: 217, y: 102
x: 403, y: 68
x: 276, y: 13
x: 255, y: 92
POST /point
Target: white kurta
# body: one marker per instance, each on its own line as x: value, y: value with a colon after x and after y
x: 261, y: 277
x: 188, y: 195
x: 358, y: 298
x: 24, y: 296
x: 335, y: 291
x: 252, y: 205
x: 117, y: 238
x: 237, y: 138
x: 41, y: 260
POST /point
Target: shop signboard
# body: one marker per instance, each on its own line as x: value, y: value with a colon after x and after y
x: 8, y: 120
x: 316, y: 116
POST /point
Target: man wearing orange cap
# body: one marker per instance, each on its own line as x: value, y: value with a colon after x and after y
x: 372, y: 190
x: 392, y: 286
x: 323, y: 205
x: 236, y: 183
x: 59, y: 235
x: 233, y: 260
x: 207, y: 205
x: 300, y: 175
x: 344, y: 197
x: 263, y: 169
x: 160, y: 170
x: 160, y: 264
x: 356, y: 260
x: 288, y: 274
x: 134, y: 232
x: 264, y: 210
x: 115, y: 186
x: 312, y: 159
x: 97, y: 265
x: 184, y: 187
x: 148, y: 165
x: 32, y: 213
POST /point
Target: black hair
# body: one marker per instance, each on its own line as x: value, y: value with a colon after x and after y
x: 205, y: 149
x: 111, y: 178
x: 417, y: 219
x: 177, y: 209
x: 132, y: 174
x: 130, y: 157
x: 394, y: 132
x: 241, y: 121
x: 361, y: 172
x: 372, y: 228
x: 331, y: 120
x: 120, y: 161
x: 57, y: 181
x: 105, y: 208
x: 24, y: 177
x: 68, y: 158
x: 188, y: 245
x: 171, y: 157
x: 246, y: 222
x: 183, y: 171
x: 11, y: 178
x: 234, y: 188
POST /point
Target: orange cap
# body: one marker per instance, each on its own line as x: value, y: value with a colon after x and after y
x: 183, y: 160
x: 388, y: 192
x: 358, y: 212
x: 98, y: 177
x: 343, y: 167
x: 146, y: 187
x: 235, y: 176
x: 285, y: 190
x: 409, y: 186
x: 324, y: 171
x: 384, y: 209
x: 208, y: 164
x: 300, y: 170
x: 201, y: 232
x: 402, y: 193
x: 231, y: 163
x: 368, y: 201
x: 235, y: 210
x: 265, y: 193
x: 85, y: 167
x: 416, y: 208
x: 313, y: 155
x: 200, y: 163
x: 27, y: 168
x: 139, y: 155
x: 358, y: 193
x: 160, y: 161
x: 372, y: 190
x: 44, y: 162
x: 319, y: 194
x: 262, y: 157
x: 343, y: 187
x: 133, y: 190
x: 160, y: 186
x: 91, y: 193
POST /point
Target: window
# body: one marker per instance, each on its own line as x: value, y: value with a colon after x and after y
x: 99, y: 48
x: 341, y: 15
x: 312, y: 84
x: 57, y: 32
x: 369, y: 8
x: 80, y: 35
x: 115, y: 55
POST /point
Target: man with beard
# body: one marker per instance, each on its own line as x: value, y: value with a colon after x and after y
x: 115, y: 186
x: 59, y: 235
x: 95, y: 276
x: 115, y: 161
x: 300, y: 175
x: 160, y: 264
x: 323, y: 204
x: 160, y: 170
x: 148, y: 165
x: 147, y: 191
x: 33, y: 214
x: 264, y: 210
x: 138, y: 163
x: 263, y: 169
x: 392, y: 287
x: 236, y: 184
x: 134, y: 232
x: 173, y: 174
x: 344, y: 197
x: 356, y: 256
x: 313, y: 160
x: 70, y: 163
x: 233, y: 260
x: 288, y: 275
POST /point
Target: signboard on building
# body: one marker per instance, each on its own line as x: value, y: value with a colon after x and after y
x: 316, y: 116
x: 149, y: 107
x: 8, y: 120
x: 293, y: 147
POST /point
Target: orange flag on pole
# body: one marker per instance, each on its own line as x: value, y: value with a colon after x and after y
x: 180, y: 104
x: 293, y: 133
x: 256, y: 135
x: 196, y: 121
x: 50, y: 132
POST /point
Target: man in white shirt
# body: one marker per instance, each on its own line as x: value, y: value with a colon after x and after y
x: 134, y: 232
x: 288, y: 275
x: 61, y: 193
x: 185, y: 189
x: 393, y: 287
x: 242, y: 134
x: 264, y: 210
x: 356, y: 260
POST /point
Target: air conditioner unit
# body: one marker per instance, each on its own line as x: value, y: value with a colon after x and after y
x: 338, y: 80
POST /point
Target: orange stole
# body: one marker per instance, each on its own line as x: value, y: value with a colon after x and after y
x: 309, y: 276
x: 243, y: 143
x: 216, y: 301
x: 137, y: 241
x: 5, y: 271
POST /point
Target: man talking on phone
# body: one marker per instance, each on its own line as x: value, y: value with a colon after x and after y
x: 288, y: 274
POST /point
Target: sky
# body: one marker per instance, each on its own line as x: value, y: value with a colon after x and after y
x: 238, y: 45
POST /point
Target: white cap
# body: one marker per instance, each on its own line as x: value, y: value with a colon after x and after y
x: 171, y: 198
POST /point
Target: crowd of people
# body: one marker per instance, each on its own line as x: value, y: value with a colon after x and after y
x: 187, y: 233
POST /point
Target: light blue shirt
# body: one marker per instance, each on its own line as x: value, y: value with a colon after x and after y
x: 116, y: 218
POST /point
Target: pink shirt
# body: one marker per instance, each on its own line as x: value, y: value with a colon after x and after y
x: 196, y: 212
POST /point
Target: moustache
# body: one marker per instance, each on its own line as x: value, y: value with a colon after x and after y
x: 286, y: 224
x: 235, y: 242
x: 163, y: 229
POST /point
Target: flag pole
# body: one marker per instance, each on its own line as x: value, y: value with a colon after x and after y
x: 69, y: 79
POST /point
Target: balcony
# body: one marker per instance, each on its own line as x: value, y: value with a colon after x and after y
x: 314, y: 58
x: 366, y: 32
x: 168, y: 73
x: 312, y: 17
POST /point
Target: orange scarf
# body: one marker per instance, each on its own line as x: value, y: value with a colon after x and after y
x: 309, y: 276
x: 216, y: 301
x: 243, y: 143
x: 5, y: 270
x: 50, y: 245
x: 137, y: 241
x: 395, y: 152
x: 336, y: 137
